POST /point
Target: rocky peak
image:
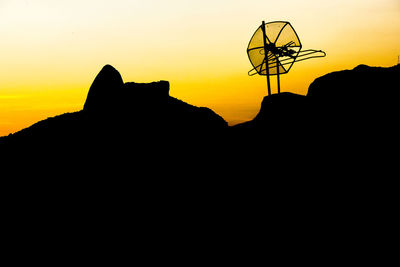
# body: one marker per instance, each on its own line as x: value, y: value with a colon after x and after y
x: 104, y: 90
x: 154, y: 90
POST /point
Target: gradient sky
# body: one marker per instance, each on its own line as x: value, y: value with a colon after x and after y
x: 50, y: 51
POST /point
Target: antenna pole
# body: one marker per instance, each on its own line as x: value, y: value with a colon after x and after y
x: 268, y: 81
x: 277, y: 74
x: 266, y: 57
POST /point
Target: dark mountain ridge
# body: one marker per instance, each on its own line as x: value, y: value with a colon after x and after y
x: 146, y: 168
x: 338, y: 105
x: 348, y: 102
x: 118, y: 112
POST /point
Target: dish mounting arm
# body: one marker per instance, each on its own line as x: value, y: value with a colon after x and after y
x: 303, y: 55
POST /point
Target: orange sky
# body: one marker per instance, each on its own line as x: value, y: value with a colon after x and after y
x: 52, y: 50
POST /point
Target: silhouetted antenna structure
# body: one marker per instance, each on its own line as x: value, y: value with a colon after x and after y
x: 274, y: 48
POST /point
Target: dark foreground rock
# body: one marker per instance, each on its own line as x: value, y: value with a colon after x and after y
x: 140, y: 173
x: 339, y: 106
x: 116, y: 115
x: 351, y: 110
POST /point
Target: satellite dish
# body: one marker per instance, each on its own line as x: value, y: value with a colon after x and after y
x: 274, y: 48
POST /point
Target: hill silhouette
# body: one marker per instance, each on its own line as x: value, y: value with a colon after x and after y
x: 117, y: 113
x: 344, y: 123
x: 340, y: 108
x: 169, y: 176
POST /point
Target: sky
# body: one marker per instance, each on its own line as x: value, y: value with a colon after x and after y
x: 51, y: 51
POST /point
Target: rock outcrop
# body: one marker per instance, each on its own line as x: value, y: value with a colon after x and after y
x: 153, y: 170
x: 124, y: 113
x: 105, y: 90
x: 345, y: 110
x: 339, y: 99
x: 363, y: 83
x: 340, y: 107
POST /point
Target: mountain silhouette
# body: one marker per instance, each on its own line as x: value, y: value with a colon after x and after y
x: 171, y: 177
x: 340, y: 107
x: 346, y: 119
x: 129, y: 114
x: 105, y: 89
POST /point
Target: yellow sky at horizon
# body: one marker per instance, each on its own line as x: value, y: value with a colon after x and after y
x: 52, y: 50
